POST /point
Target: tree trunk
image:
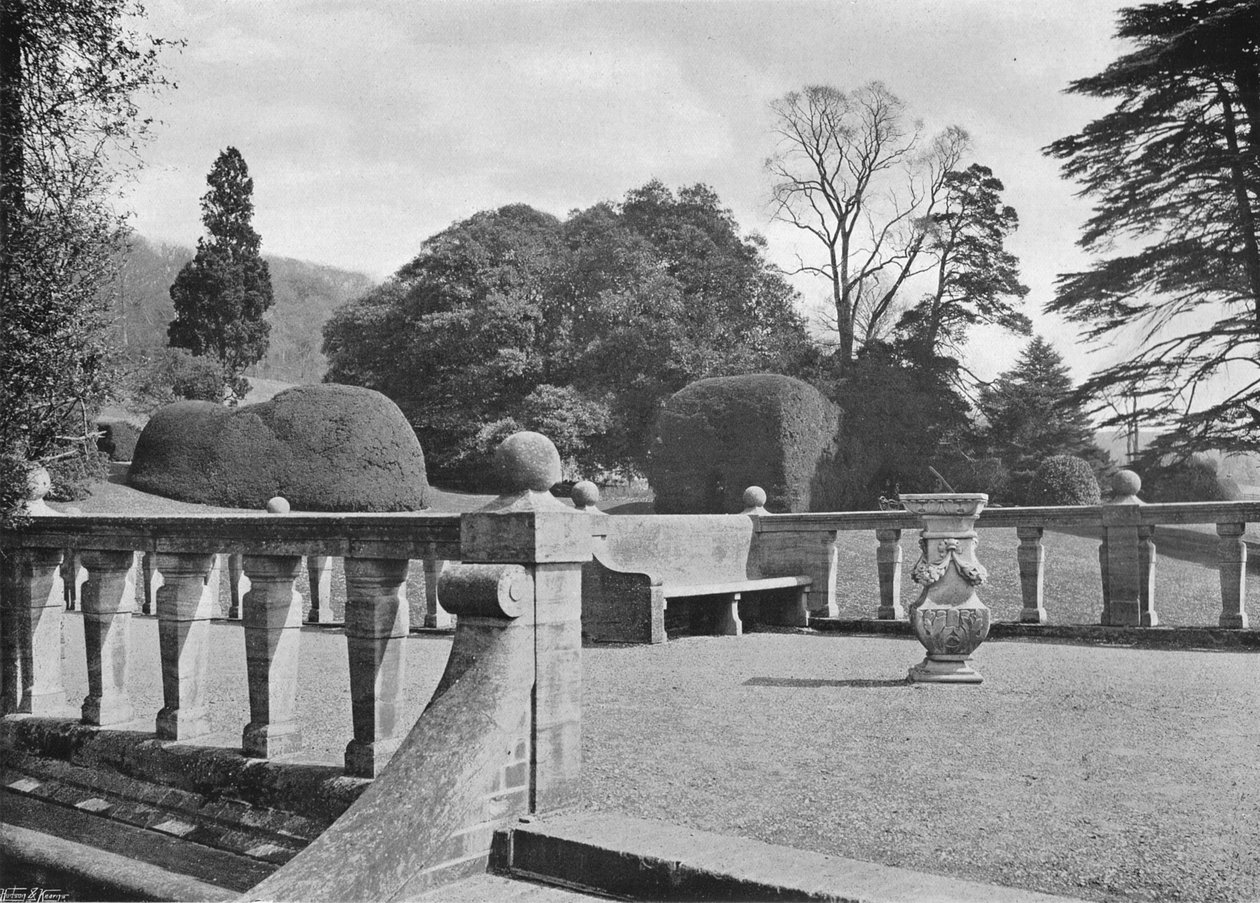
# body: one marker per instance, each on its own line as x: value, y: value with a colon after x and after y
x: 12, y: 161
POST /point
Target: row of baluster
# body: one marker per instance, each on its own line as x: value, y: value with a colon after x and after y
x: 1126, y: 559
x: 377, y: 620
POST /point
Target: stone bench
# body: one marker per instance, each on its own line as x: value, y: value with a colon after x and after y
x: 707, y: 570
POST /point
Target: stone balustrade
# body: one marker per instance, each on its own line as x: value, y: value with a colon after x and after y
x: 1127, y: 552
x: 377, y: 550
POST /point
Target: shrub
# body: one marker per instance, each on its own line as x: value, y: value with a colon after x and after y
x: 118, y: 438
x: 1192, y: 479
x: 324, y: 448
x: 73, y: 476
x: 717, y: 437
x: 1064, y: 480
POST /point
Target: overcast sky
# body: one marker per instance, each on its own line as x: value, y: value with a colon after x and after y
x: 369, y: 125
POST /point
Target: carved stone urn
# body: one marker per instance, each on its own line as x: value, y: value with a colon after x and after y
x: 948, y: 618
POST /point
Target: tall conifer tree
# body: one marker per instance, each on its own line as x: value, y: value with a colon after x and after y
x: 223, y: 293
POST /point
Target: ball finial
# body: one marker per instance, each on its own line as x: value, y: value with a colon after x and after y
x: 526, y: 461
x: 278, y: 505
x: 754, y: 500
x: 585, y: 495
x: 1125, y: 485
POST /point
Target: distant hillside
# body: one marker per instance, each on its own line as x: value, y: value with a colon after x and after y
x: 306, y: 295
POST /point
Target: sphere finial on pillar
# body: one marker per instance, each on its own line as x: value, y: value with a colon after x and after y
x: 526, y: 466
x: 38, y: 485
x: 585, y: 496
x: 754, y: 500
x: 1125, y: 486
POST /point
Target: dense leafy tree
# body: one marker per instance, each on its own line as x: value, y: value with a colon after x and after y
x: 579, y: 328
x: 69, y: 74
x: 976, y: 278
x: 1174, y: 173
x: 1031, y: 414
x: 222, y: 295
x: 857, y: 175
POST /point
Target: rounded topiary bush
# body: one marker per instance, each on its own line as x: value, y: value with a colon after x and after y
x: 323, y: 448
x: 1064, y: 480
x: 717, y: 437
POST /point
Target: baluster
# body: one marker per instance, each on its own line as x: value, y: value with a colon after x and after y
x: 319, y: 575
x: 185, y: 603
x: 1106, y: 580
x: 34, y: 606
x: 1146, y: 577
x: 1032, y: 568
x: 108, y: 599
x: 1232, y: 554
x: 434, y: 614
x: 888, y: 564
x: 377, y: 622
x: 152, y: 582
x: 272, y: 619
x: 238, y: 585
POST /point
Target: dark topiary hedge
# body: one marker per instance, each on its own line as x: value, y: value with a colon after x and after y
x: 324, y: 448
x: 118, y: 438
x: 1195, y: 479
x: 1064, y: 480
x: 717, y: 437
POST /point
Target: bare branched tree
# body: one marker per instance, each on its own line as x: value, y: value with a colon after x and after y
x: 855, y: 172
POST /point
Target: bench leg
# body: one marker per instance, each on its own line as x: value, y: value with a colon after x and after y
x: 798, y: 611
x: 728, y: 622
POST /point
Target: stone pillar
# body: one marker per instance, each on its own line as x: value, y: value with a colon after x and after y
x: 1031, y: 556
x: 888, y: 565
x: 108, y: 600
x: 1127, y: 557
x: 377, y: 624
x: 34, y: 605
x: 1232, y: 554
x: 185, y: 603
x: 319, y: 577
x: 948, y: 618
x: 272, y: 621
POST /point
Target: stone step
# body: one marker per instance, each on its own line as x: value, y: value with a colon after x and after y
x: 502, y: 889
x: 636, y: 859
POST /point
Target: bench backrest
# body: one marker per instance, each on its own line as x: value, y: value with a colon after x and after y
x: 681, y: 549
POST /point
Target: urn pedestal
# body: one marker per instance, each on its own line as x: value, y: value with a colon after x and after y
x: 948, y: 618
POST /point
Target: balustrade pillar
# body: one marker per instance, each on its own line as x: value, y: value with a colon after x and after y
x: 319, y: 578
x: 108, y: 599
x: 272, y: 622
x: 888, y: 564
x: 1031, y: 556
x: 185, y: 603
x: 1127, y: 558
x: 1232, y: 555
x: 377, y: 622
x: 33, y: 605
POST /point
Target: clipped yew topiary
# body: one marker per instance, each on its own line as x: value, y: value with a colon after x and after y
x: 1064, y: 480
x: 323, y: 448
x: 717, y: 437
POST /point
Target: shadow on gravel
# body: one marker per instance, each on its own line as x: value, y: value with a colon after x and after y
x: 805, y: 682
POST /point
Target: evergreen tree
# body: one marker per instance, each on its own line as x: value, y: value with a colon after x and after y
x: 222, y: 295
x: 1033, y: 414
x: 1174, y: 173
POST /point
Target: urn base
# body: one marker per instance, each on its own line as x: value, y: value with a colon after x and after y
x: 945, y: 669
